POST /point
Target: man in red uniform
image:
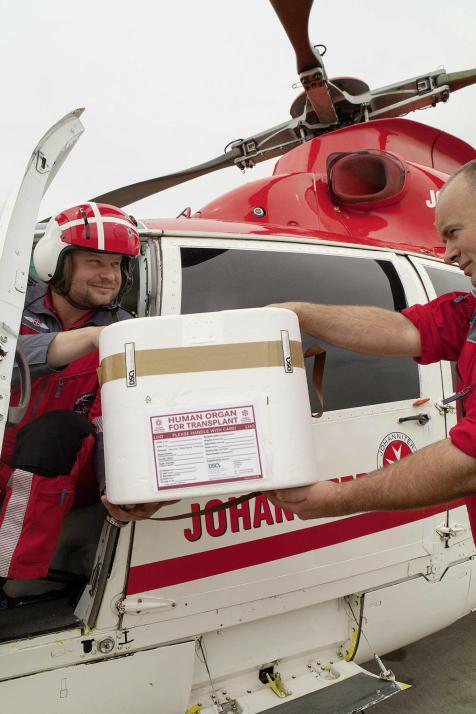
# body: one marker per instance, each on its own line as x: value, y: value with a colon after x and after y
x: 444, y: 329
x: 47, y: 464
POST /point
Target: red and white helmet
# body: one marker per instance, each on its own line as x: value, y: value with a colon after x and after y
x: 88, y: 226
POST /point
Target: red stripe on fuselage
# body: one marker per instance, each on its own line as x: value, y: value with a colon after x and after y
x: 195, y: 566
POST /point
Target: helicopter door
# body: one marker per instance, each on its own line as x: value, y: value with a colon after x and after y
x: 17, y: 225
x: 439, y: 279
x: 371, y: 417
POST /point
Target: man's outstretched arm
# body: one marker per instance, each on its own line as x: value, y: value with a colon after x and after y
x: 362, y: 329
x: 438, y: 473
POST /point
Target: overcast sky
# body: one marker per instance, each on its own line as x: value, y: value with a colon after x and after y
x: 167, y: 85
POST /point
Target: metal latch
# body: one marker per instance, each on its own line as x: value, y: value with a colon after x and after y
x: 445, y: 408
x: 276, y: 685
x: 447, y: 532
x: 42, y: 165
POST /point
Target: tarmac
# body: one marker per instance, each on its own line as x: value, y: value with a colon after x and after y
x: 441, y: 669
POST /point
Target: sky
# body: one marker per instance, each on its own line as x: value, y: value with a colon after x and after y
x: 167, y: 85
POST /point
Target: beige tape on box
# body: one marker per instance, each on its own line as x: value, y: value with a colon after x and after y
x: 203, y: 358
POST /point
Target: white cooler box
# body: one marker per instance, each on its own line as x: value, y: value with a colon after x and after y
x: 204, y: 404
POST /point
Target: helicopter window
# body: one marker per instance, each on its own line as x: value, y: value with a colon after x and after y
x: 233, y: 279
x: 445, y: 281
x: 193, y: 256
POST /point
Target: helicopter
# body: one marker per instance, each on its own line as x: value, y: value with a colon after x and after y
x: 246, y: 609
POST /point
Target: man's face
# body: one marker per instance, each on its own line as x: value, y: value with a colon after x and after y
x: 96, y: 278
x: 456, y: 223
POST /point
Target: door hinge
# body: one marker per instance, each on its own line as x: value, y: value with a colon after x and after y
x: 139, y: 605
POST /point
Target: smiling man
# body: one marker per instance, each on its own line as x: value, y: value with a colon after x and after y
x: 51, y: 461
x: 443, y: 329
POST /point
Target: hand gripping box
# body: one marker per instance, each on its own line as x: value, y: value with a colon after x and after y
x: 204, y: 404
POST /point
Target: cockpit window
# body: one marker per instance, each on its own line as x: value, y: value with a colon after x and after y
x: 215, y: 279
x: 445, y: 280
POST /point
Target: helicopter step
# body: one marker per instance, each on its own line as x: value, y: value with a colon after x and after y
x: 334, y: 688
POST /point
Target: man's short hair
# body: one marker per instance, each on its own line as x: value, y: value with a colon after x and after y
x: 468, y: 171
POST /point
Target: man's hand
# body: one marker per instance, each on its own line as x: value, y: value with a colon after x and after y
x: 315, y: 501
x: 438, y: 473
x: 136, y: 512
x: 293, y: 306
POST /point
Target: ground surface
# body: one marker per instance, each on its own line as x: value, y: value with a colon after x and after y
x: 441, y: 669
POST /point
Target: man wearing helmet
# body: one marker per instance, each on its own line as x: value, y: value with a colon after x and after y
x: 85, y: 261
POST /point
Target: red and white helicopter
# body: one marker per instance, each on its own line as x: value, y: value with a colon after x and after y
x: 248, y: 609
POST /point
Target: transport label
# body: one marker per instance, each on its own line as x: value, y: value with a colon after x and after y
x: 206, y: 446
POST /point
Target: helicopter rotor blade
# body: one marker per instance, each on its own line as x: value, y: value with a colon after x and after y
x: 294, y: 17
x: 415, y: 93
x: 457, y: 80
x: 396, y: 99
x: 243, y: 153
x: 135, y: 192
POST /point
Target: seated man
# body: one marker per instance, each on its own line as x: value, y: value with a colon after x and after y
x: 85, y: 259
